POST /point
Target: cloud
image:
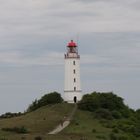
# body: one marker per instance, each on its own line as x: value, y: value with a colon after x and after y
x: 17, y: 59
x: 49, y: 18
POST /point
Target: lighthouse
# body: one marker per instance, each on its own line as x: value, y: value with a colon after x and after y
x: 72, y: 87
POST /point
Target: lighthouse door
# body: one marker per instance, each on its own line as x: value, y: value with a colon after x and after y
x: 75, y: 99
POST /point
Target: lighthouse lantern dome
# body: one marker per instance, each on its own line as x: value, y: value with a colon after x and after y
x: 72, y: 44
x: 72, y: 47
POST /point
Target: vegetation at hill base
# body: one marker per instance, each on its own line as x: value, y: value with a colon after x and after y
x: 114, y: 114
x: 10, y: 115
x: 100, y: 116
x: 105, y: 105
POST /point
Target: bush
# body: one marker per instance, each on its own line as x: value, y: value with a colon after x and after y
x: 115, y: 130
x: 126, y: 112
x: 138, y: 114
x: 51, y: 98
x: 94, y: 130
x: 116, y: 114
x: 113, y: 136
x: 103, y: 113
x: 20, y: 130
x: 136, y: 132
x: 96, y: 100
x: 76, y: 123
x: 109, y: 125
x: 10, y: 115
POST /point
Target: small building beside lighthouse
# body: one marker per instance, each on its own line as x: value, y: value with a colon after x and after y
x: 72, y: 87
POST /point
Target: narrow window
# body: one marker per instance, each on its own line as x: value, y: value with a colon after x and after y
x: 74, y: 71
x: 73, y: 62
x: 74, y: 88
x: 74, y: 80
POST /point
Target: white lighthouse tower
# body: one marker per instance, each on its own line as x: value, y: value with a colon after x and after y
x: 72, y: 89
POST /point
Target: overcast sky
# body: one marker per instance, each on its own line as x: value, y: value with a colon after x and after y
x: 33, y: 39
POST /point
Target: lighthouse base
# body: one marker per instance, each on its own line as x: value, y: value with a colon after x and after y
x: 72, y: 96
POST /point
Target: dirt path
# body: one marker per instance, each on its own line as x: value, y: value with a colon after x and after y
x: 60, y: 127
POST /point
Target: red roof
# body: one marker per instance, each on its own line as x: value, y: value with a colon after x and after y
x: 72, y: 44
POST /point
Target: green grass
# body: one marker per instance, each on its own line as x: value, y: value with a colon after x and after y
x: 41, y: 121
x: 85, y: 125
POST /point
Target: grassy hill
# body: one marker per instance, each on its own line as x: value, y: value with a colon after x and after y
x: 41, y: 121
x: 100, y: 116
x: 88, y: 127
x: 38, y: 122
x: 84, y: 126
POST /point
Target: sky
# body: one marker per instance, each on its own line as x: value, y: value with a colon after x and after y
x: 33, y: 39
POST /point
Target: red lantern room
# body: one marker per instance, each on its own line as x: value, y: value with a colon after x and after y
x: 72, y: 47
x: 72, y: 44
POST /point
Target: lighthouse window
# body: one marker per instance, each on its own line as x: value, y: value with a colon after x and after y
x: 74, y: 88
x: 74, y: 71
x: 73, y: 62
x: 74, y: 80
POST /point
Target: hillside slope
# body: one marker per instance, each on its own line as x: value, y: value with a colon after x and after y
x: 87, y: 127
x: 84, y: 125
x: 41, y: 121
x: 38, y: 122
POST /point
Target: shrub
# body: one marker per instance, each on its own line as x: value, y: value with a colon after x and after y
x: 115, y: 130
x: 109, y: 125
x: 103, y: 113
x: 94, y: 130
x: 10, y: 115
x: 113, y: 136
x: 123, y: 137
x: 76, y: 123
x: 89, y: 102
x: 98, y: 100
x: 116, y: 114
x: 21, y: 130
x: 126, y: 112
x: 136, y: 132
x: 51, y: 98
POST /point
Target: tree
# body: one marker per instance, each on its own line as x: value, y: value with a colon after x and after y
x: 108, y: 101
x: 51, y: 98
